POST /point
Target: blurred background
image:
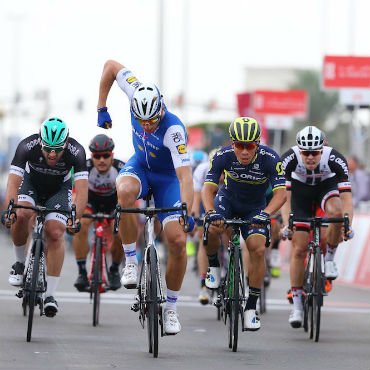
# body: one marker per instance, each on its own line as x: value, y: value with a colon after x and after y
x: 287, y: 63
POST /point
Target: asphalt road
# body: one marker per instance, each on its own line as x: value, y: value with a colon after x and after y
x: 69, y: 341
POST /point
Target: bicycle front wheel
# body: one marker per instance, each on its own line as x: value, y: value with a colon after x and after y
x: 234, y: 297
x: 152, y: 301
x: 95, y: 284
x: 318, y: 296
x: 34, y: 265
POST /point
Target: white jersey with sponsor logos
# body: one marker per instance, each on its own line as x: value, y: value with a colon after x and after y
x: 331, y: 164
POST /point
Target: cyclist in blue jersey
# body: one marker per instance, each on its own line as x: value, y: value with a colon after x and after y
x: 249, y: 169
x: 160, y: 161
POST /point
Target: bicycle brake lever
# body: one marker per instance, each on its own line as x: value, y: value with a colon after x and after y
x: 117, y: 218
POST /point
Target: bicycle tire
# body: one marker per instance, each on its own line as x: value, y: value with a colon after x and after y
x: 262, y: 299
x: 318, y: 297
x: 307, y: 301
x: 236, y: 298
x: 97, y: 271
x: 152, y: 298
x: 32, y: 293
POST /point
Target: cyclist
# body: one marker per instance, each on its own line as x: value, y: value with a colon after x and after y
x: 316, y: 175
x: 249, y: 170
x: 40, y: 172
x: 103, y: 169
x: 160, y: 161
x: 199, y: 175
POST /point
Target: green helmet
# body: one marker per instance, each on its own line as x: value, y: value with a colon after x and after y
x: 245, y: 129
x: 54, y: 132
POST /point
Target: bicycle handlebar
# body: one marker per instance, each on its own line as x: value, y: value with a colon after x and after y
x: 230, y: 222
x: 42, y: 210
x: 150, y: 212
x: 318, y: 221
x: 98, y: 216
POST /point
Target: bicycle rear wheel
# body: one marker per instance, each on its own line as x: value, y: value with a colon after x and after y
x: 95, y: 285
x: 34, y: 265
x: 152, y: 301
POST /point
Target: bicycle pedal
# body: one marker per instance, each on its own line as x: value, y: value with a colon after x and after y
x: 19, y: 294
x: 135, y: 307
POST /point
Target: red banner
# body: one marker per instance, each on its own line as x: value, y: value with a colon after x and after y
x: 292, y: 103
x: 346, y: 72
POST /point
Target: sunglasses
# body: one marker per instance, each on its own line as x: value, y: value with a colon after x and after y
x: 49, y: 149
x: 314, y: 153
x: 241, y: 146
x: 150, y: 122
x: 104, y: 155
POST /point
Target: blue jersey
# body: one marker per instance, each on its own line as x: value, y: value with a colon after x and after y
x: 163, y: 150
x: 249, y: 182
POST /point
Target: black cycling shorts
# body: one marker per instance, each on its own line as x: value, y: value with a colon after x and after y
x: 102, y: 204
x: 306, y: 198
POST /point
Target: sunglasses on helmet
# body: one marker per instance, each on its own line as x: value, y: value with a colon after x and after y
x: 314, y: 153
x: 241, y: 145
x: 49, y: 149
x: 104, y: 155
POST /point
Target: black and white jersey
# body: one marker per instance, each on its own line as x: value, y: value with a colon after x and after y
x: 332, y: 164
x: 103, y: 184
x: 29, y: 158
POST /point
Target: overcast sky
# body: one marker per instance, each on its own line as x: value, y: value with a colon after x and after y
x: 62, y: 46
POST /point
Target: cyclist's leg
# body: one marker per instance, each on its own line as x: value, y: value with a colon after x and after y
x: 131, y: 184
x: 20, y: 231
x: 81, y: 249
x: 331, y: 203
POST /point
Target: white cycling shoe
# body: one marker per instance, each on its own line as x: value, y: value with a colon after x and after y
x: 171, y: 324
x: 213, y: 277
x: 16, y: 274
x: 129, y: 276
x: 252, y: 320
x: 296, y: 318
x: 331, y: 270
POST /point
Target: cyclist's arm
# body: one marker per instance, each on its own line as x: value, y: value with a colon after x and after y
x: 209, y: 191
x: 196, y: 203
x: 277, y: 201
x: 110, y: 70
x: 14, y: 182
x: 286, y: 208
x: 346, y: 198
x: 81, y: 187
x: 186, y: 185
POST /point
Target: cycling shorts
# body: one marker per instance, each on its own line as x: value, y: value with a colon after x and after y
x: 307, y: 198
x: 166, y: 187
x: 61, y: 198
x: 230, y: 206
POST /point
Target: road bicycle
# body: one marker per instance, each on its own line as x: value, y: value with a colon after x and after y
x: 231, y: 299
x: 314, y: 275
x: 98, y: 273
x: 150, y: 296
x: 34, y: 276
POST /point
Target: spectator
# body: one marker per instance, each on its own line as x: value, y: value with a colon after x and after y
x: 360, y: 180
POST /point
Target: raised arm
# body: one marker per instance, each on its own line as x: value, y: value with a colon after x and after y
x: 110, y: 70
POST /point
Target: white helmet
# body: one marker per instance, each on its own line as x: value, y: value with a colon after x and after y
x: 310, y: 138
x: 146, y: 103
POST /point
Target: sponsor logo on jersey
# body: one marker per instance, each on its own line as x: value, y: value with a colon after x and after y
x: 340, y: 162
x: 73, y: 149
x: 181, y: 148
x: 131, y: 79
x: 264, y: 152
x: 152, y: 154
x: 177, y: 137
x: 125, y: 73
x: 256, y: 166
x: 32, y: 143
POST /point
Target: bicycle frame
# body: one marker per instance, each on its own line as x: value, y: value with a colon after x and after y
x: 34, y: 277
x: 314, y: 275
